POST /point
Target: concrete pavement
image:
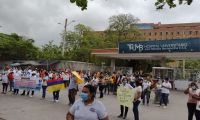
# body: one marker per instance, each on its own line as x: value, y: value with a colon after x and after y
x: 16, y: 107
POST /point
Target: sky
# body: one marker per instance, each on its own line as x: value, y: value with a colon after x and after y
x: 38, y: 19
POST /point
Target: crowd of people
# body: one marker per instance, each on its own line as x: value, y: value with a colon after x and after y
x: 103, y: 82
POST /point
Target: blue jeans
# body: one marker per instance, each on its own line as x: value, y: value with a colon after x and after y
x: 44, y: 91
x: 135, y: 110
x: 164, y: 98
x: 11, y: 85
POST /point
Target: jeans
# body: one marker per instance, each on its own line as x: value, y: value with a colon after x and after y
x: 101, y: 87
x: 71, y: 95
x: 146, y: 96
x: 135, y: 109
x: 44, y: 91
x: 192, y: 110
x: 164, y: 98
x: 107, y: 88
x: 56, y: 95
x: 5, y: 86
x: 11, y: 85
x: 123, y: 113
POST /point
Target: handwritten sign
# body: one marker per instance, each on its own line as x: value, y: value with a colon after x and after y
x: 125, y: 96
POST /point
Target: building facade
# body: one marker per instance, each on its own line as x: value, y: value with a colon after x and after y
x: 151, y: 31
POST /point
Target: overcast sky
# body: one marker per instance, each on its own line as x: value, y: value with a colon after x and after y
x: 38, y: 19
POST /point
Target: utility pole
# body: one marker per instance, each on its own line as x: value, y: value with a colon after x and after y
x: 65, y: 31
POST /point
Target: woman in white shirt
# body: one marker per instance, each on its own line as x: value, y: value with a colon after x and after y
x: 4, y: 83
x: 137, y: 98
x: 87, y: 108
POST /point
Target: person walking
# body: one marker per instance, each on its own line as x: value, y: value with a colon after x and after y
x: 137, y: 98
x: 166, y: 86
x: 146, y: 92
x: 87, y: 108
x: 72, y: 90
x: 44, y: 85
x: 4, y: 83
x: 192, y: 101
x: 11, y: 80
x: 124, y: 109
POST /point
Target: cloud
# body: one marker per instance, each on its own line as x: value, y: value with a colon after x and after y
x: 38, y: 19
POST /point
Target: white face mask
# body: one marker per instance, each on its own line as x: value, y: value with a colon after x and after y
x: 194, y: 87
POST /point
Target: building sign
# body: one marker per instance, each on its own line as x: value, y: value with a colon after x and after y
x: 179, y: 45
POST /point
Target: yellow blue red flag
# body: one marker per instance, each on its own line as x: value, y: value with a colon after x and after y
x: 55, y: 85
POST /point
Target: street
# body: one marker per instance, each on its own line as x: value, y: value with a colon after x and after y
x: 16, y: 107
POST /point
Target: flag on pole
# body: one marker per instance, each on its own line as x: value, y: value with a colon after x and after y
x: 79, y: 80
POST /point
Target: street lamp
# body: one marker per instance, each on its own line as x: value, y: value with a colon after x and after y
x: 65, y: 31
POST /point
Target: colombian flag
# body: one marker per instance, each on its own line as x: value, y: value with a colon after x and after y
x: 55, y: 85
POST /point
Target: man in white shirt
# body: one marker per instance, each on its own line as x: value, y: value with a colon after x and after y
x: 146, y: 91
x: 166, y: 86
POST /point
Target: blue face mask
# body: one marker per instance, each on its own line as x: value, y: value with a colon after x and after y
x: 84, y: 96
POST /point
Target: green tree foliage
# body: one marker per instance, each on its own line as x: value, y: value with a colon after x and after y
x: 79, y: 43
x: 51, y: 51
x: 80, y: 3
x: 171, y: 3
x: 121, y: 28
x: 15, y: 47
x: 159, y: 3
x: 192, y: 64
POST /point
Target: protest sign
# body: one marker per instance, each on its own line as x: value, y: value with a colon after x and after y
x: 125, y: 96
x: 26, y: 83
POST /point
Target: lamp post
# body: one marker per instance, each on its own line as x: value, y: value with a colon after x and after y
x: 65, y: 31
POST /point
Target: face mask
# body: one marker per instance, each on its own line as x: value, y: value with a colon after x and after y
x: 194, y: 88
x: 84, y: 96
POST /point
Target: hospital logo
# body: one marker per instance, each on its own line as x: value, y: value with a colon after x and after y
x: 135, y: 47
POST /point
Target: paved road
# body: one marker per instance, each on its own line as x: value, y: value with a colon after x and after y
x: 18, y: 107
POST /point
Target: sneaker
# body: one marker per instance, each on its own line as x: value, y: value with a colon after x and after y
x: 164, y: 107
x: 56, y: 100
x: 31, y: 96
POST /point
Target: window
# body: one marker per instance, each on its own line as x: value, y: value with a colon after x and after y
x: 172, y: 33
x: 149, y: 34
x: 166, y: 33
x: 190, y: 32
x: 178, y: 33
x: 155, y: 33
x: 196, y: 32
x: 160, y: 33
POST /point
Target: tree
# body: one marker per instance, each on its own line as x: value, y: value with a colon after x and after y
x: 15, y: 47
x: 51, y: 51
x: 171, y: 3
x: 122, y: 25
x: 159, y: 3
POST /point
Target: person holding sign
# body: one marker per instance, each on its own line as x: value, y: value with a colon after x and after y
x: 124, y: 85
x: 137, y: 98
x: 72, y: 88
